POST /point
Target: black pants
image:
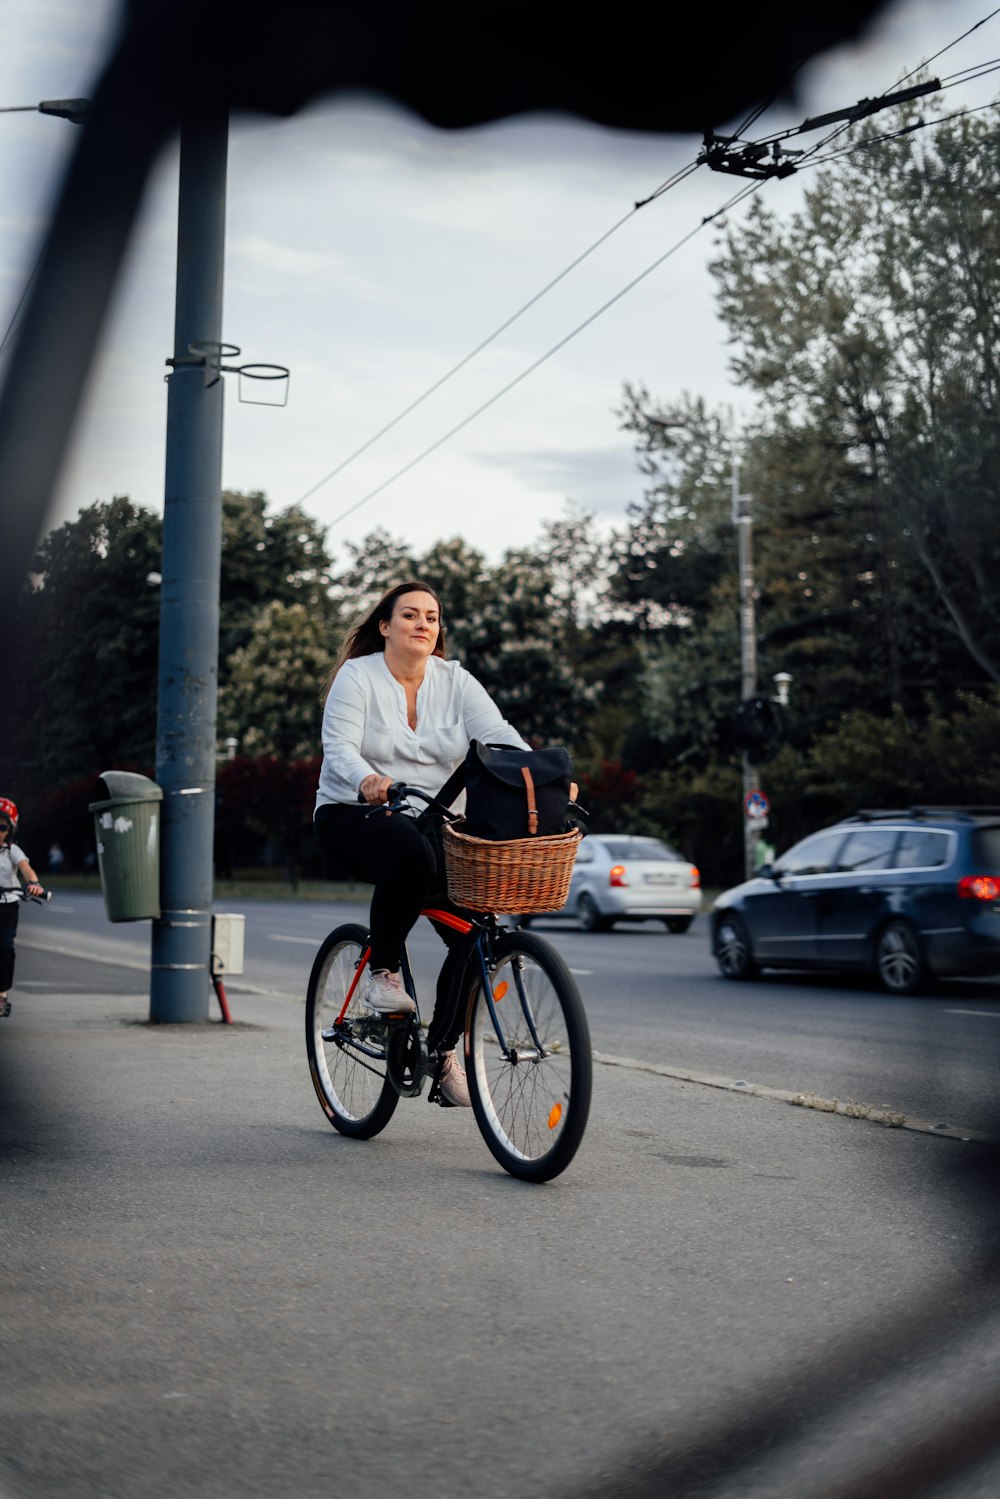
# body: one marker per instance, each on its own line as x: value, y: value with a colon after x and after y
x: 9, y: 912
x: 405, y: 865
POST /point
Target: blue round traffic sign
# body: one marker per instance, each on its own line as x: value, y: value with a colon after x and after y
x: 756, y: 805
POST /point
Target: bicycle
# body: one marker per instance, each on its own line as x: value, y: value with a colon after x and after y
x: 22, y: 892
x: 527, y: 1042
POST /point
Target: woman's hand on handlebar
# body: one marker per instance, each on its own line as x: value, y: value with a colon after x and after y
x: 374, y: 790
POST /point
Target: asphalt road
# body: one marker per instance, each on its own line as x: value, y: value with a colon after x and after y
x: 209, y: 1294
x: 658, y: 998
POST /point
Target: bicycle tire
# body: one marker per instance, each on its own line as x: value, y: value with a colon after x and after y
x: 531, y: 1112
x: 352, y: 1086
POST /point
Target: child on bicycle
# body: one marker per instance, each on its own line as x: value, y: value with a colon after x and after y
x: 396, y: 710
x: 14, y: 868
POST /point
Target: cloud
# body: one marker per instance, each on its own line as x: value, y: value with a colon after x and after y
x: 602, y: 480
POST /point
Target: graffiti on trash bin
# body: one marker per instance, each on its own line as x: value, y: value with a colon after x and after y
x: 117, y: 824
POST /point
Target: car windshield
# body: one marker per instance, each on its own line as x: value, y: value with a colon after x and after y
x: 647, y: 849
x: 986, y: 849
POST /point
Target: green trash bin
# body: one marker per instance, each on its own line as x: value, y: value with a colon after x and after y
x: 127, y: 825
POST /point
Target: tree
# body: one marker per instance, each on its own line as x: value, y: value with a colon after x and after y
x: 91, y: 615
x: 268, y: 558
x: 271, y: 702
x: 869, y: 319
x: 86, y: 700
x: 378, y: 563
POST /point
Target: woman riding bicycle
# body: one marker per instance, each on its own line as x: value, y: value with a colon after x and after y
x: 396, y: 710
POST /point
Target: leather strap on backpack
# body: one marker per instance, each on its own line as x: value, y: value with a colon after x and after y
x: 529, y: 786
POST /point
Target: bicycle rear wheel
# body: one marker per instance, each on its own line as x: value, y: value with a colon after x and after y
x: 531, y: 1104
x: 347, y: 1056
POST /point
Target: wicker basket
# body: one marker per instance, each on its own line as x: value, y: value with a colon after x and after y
x: 515, y: 877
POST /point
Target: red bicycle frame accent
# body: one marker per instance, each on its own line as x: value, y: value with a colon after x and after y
x: 354, y: 982
x: 457, y: 924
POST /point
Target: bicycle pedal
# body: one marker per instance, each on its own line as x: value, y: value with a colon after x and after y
x: 435, y: 1095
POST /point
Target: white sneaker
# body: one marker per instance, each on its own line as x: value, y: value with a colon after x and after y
x: 453, y: 1082
x: 385, y: 994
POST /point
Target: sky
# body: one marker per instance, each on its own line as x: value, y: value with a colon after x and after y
x: 370, y: 253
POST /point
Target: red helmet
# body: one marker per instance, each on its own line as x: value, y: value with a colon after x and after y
x: 8, y: 809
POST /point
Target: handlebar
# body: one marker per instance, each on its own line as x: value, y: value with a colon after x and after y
x: 397, y: 798
x: 22, y: 892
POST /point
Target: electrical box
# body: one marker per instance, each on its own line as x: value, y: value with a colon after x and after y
x: 227, y: 942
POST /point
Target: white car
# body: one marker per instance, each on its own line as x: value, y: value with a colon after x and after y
x: 622, y: 877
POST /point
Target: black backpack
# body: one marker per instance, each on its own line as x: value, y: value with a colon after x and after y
x: 513, y: 793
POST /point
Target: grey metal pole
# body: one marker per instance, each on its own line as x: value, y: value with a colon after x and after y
x: 743, y: 520
x: 189, y: 607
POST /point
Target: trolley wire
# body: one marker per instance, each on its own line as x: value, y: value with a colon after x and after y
x: 678, y: 177
x: 841, y: 129
x: 730, y: 203
x: 673, y: 181
x: 20, y: 304
x: 809, y: 158
x: 892, y: 135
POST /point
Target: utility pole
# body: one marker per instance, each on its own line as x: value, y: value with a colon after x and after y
x: 189, y: 606
x: 742, y: 514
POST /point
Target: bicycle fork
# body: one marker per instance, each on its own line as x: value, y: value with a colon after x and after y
x: 513, y: 1054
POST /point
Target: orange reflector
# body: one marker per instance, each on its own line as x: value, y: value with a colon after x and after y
x: 500, y: 990
x: 555, y: 1114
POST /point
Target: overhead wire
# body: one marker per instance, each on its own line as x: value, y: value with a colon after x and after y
x: 841, y: 129
x: 20, y: 304
x: 730, y: 203
x: 891, y: 135
x: 678, y: 177
x: 809, y: 158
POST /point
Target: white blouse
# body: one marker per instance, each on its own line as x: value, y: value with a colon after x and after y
x: 365, y: 727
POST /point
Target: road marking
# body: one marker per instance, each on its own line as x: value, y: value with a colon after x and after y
x: 74, y: 952
x: 235, y: 983
x: 582, y: 973
x: 309, y: 941
x: 989, y: 1014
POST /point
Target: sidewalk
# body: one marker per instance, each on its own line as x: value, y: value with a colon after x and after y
x: 207, y: 1292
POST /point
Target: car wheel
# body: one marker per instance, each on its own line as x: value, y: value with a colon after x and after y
x: 898, y: 959
x: 677, y: 923
x: 733, y: 952
x: 589, y: 916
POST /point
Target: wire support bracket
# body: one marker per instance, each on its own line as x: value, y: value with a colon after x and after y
x: 208, y: 355
x: 769, y: 158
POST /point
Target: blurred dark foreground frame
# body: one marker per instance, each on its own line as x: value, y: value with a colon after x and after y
x: 638, y: 67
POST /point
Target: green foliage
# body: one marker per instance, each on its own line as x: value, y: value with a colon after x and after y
x: 868, y: 320
x: 270, y: 701
x: 87, y: 699
x: 267, y: 558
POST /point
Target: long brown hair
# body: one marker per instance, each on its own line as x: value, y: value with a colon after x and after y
x: 364, y: 637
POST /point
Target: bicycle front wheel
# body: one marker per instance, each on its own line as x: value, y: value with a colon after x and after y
x: 347, y: 1056
x: 531, y: 1095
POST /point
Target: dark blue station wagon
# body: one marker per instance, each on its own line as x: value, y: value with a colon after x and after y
x: 909, y: 896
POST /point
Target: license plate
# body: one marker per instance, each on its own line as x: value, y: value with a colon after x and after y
x: 661, y: 879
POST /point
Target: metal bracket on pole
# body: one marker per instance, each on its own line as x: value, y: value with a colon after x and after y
x: 209, y: 355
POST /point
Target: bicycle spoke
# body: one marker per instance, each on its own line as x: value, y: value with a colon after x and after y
x: 531, y: 1105
x: 346, y: 1054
